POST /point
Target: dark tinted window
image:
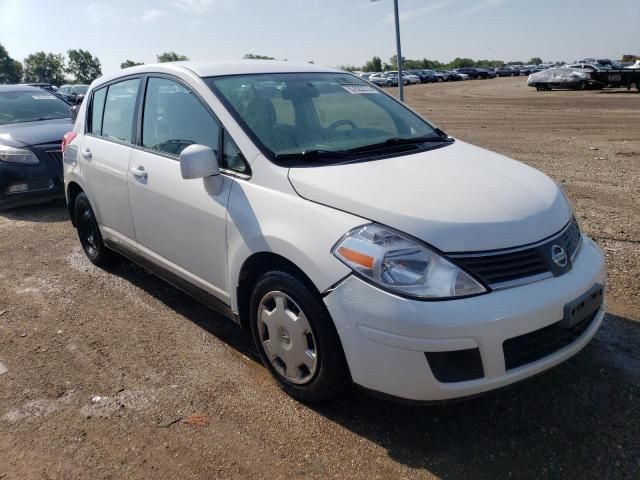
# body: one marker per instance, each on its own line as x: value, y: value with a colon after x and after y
x: 117, y: 121
x: 30, y: 106
x: 97, y: 109
x: 174, y: 119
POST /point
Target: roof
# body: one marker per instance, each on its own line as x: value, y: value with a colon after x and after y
x: 19, y: 88
x: 234, y: 67
x: 217, y: 68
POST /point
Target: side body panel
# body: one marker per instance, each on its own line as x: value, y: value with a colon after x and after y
x: 181, y: 224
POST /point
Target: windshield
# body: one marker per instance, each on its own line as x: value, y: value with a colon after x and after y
x: 31, y: 106
x: 322, y: 117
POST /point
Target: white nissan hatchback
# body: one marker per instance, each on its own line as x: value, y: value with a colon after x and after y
x: 355, y: 240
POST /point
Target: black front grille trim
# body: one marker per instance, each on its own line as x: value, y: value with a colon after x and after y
x: 506, y: 268
x: 532, y: 346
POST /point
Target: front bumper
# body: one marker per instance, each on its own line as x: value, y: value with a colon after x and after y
x: 385, y: 337
x: 39, y: 182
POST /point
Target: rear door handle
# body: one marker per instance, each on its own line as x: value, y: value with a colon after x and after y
x: 86, y: 153
x: 139, y: 172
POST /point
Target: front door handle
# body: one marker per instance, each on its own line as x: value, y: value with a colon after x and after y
x: 139, y: 172
x: 86, y: 153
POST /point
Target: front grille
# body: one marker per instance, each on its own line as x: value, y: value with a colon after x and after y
x: 56, y: 156
x: 527, y: 348
x: 499, y: 269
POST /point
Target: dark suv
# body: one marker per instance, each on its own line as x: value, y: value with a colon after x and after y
x: 474, y: 73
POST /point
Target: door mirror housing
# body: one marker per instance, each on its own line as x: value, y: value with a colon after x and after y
x: 198, y: 161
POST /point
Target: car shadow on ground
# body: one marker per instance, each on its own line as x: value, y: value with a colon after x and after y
x: 581, y: 419
x: 55, y: 211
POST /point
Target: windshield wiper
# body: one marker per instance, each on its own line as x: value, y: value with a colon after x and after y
x: 397, y: 141
x: 312, y: 155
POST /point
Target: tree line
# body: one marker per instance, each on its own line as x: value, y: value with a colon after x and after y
x: 53, y: 68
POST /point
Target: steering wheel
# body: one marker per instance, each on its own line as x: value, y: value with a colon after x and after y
x: 339, y: 123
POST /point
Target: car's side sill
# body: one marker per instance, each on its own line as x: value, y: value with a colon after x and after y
x: 204, y: 297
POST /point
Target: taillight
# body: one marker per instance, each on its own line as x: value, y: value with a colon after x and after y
x: 67, y: 139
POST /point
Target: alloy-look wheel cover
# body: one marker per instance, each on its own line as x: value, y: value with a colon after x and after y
x: 287, y: 338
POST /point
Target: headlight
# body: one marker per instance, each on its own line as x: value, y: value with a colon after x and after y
x: 398, y: 263
x: 16, y: 155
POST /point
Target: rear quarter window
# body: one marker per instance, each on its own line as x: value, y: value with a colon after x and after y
x: 97, y: 110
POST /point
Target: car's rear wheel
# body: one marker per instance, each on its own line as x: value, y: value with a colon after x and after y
x: 296, y: 338
x: 89, y: 233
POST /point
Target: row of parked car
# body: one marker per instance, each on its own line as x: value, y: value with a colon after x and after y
x: 72, y: 93
x: 411, y: 77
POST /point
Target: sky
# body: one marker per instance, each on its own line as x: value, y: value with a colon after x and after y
x: 328, y: 32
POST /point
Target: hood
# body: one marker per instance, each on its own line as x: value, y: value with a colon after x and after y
x: 458, y: 198
x: 20, y: 135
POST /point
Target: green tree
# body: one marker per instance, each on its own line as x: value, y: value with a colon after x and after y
x: 44, y: 67
x: 489, y: 63
x: 253, y: 56
x: 83, y: 66
x: 130, y: 63
x: 394, y: 62
x: 10, y: 69
x: 373, y: 65
x: 348, y: 68
x: 461, y: 63
x: 535, y: 61
x: 431, y: 64
x: 171, y: 57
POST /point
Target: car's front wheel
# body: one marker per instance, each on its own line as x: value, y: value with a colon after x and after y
x: 89, y: 233
x: 296, y: 338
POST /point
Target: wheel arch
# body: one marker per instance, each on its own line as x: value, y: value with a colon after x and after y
x: 73, y: 190
x: 253, y: 268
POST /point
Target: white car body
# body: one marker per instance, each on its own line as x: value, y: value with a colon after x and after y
x: 459, y: 199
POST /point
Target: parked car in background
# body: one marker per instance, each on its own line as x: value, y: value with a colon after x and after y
x: 454, y: 76
x: 43, y: 86
x: 560, y: 78
x: 73, y: 94
x: 355, y: 240
x: 446, y: 76
x: 473, y: 73
x: 486, y: 72
x: 380, y: 79
x: 424, y: 78
x: 433, y: 76
x: 32, y: 123
x: 505, y: 71
x: 408, y: 79
x: 462, y: 75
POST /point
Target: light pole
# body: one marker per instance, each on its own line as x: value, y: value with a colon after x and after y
x: 398, y: 49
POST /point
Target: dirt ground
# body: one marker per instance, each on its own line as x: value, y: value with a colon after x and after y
x: 118, y: 375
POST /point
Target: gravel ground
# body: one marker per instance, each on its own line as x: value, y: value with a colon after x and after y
x: 118, y: 375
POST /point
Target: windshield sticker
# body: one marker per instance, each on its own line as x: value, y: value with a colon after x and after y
x: 43, y: 97
x: 359, y: 89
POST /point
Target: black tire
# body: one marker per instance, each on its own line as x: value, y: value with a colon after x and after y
x: 331, y: 373
x: 89, y: 233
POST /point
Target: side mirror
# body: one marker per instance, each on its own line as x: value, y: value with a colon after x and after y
x: 198, y: 161
x: 74, y: 113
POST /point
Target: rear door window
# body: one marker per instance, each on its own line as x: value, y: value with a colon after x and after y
x: 117, y: 122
